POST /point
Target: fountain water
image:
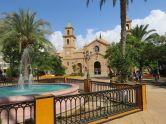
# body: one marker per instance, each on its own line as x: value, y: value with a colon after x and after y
x: 21, y: 81
x: 30, y: 81
x: 25, y: 69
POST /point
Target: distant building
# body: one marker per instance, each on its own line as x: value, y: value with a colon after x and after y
x: 74, y: 60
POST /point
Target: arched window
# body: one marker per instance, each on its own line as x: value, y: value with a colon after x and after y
x: 67, y: 41
x: 97, y: 68
x: 97, y: 49
x: 127, y: 26
x: 68, y: 32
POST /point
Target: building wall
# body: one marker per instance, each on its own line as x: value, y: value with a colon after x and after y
x: 71, y: 56
x: 103, y: 63
x: 78, y: 57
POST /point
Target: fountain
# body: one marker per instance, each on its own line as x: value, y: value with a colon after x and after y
x: 25, y: 64
x: 26, y: 89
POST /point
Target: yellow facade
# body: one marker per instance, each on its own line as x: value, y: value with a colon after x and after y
x: 73, y: 58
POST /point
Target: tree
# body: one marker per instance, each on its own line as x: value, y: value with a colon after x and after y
x: 25, y: 28
x: 142, y: 33
x: 158, y: 39
x: 19, y: 30
x: 58, y: 68
x: 44, y: 62
x: 117, y: 60
x: 11, y: 55
x: 138, y: 39
x: 158, y: 55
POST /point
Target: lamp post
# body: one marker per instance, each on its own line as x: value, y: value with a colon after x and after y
x: 110, y: 73
x: 87, y: 57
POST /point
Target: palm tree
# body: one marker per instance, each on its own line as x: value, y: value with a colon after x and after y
x: 158, y: 39
x: 140, y: 43
x: 123, y: 14
x: 142, y: 33
x: 25, y: 28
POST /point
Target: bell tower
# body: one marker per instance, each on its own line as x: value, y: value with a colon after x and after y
x: 69, y: 40
x: 128, y: 24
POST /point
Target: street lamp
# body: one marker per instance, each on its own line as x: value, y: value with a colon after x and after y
x: 87, y: 57
x: 110, y: 73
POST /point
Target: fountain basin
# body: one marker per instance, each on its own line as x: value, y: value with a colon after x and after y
x: 62, y: 89
x: 10, y: 94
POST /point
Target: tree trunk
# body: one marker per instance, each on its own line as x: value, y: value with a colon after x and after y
x: 141, y: 72
x: 123, y: 25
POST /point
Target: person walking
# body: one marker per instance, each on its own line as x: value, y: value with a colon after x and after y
x: 134, y: 76
x: 139, y: 76
x: 155, y: 75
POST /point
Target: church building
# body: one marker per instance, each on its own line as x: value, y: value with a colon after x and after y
x: 89, y: 59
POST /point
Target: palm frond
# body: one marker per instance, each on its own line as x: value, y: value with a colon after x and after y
x: 142, y: 33
x: 102, y: 2
x: 114, y: 3
x: 87, y: 2
x: 26, y: 28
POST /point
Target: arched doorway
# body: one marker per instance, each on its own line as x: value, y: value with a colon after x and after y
x: 97, y: 68
x: 79, y: 67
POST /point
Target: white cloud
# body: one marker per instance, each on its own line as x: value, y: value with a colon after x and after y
x: 109, y: 35
x: 156, y: 20
x: 56, y: 39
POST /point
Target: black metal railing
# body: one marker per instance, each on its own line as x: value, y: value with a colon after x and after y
x: 106, y: 99
x: 87, y: 107
x: 8, y: 82
x: 101, y: 86
x: 17, y: 113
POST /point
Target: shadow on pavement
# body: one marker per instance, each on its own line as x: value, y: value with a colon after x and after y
x: 160, y: 83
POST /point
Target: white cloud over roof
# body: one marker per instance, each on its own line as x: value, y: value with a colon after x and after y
x: 56, y: 39
x: 156, y: 20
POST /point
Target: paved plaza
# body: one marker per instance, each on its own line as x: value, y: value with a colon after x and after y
x: 156, y: 107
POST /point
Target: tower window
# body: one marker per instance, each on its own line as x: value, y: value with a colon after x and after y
x: 68, y: 32
x: 97, y: 49
x: 67, y: 41
x: 127, y: 26
x: 67, y: 63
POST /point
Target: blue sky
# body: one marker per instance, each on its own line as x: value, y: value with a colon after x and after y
x: 59, y: 12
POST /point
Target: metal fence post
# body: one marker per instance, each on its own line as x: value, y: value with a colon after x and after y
x: 65, y: 80
x: 141, y: 97
x: 144, y: 101
x: 44, y: 110
x: 87, y: 85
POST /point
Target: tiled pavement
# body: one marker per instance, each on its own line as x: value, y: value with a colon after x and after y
x: 156, y: 107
